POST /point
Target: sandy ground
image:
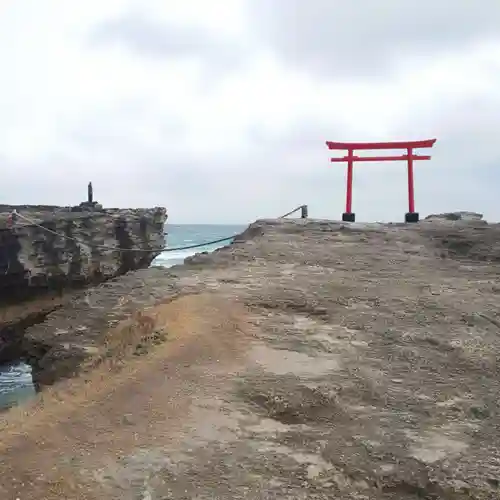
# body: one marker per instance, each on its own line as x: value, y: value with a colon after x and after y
x: 310, y: 362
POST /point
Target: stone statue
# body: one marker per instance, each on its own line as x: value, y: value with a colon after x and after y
x: 90, y: 191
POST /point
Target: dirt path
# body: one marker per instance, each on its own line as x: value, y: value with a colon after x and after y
x: 70, y: 453
x: 313, y: 361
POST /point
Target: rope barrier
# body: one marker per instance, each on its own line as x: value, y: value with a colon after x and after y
x: 160, y: 249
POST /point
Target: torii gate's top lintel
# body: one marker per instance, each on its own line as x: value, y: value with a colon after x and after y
x: 427, y: 143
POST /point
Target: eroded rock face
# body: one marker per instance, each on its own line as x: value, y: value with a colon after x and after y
x: 61, y: 248
x: 49, y: 250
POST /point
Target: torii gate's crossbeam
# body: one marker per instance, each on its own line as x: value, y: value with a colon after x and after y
x: 409, y: 157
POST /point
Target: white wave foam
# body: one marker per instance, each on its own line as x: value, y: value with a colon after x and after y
x: 175, y: 255
x: 169, y: 259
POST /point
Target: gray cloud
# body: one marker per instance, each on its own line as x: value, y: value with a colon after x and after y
x: 466, y: 132
x: 116, y: 128
x: 150, y: 38
x: 365, y: 37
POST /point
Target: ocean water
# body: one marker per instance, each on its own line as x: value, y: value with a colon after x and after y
x: 181, y: 235
x: 16, y: 384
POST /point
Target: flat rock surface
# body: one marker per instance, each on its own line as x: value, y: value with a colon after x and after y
x: 308, y: 360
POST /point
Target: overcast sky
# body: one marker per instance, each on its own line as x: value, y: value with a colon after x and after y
x: 219, y: 110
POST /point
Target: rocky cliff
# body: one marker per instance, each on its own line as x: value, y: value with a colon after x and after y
x: 48, y: 250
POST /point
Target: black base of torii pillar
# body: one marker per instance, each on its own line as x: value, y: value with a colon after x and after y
x: 411, y: 217
x: 349, y: 217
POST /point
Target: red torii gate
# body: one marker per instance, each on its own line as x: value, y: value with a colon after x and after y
x: 411, y: 216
